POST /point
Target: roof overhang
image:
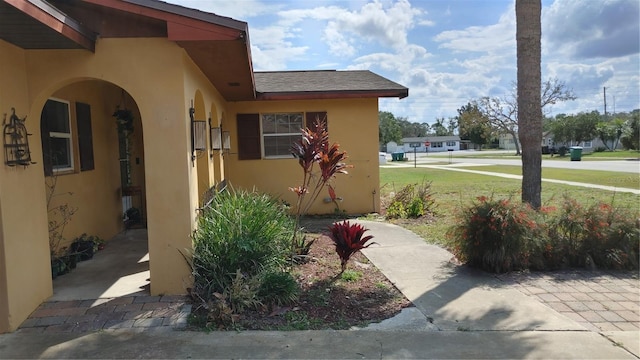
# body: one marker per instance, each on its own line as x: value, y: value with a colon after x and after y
x: 35, y: 24
x: 325, y: 95
x: 218, y: 45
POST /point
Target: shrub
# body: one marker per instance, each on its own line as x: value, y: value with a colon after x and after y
x: 242, y: 232
x: 413, y: 200
x: 495, y: 235
x: 396, y: 211
x: 416, y: 208
x: 348, y: 239
x: 501, y: 236
x: 278, y: 288
x: 607, y: 235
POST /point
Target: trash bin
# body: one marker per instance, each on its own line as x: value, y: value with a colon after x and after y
x: 398, y: 156
x: 576, y: 153
x: 383, y: 158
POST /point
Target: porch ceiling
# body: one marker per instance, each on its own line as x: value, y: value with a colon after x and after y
x: 35, y: 24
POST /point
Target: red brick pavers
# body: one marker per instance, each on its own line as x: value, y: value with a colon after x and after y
x: 598, y: 300
x: 110, y: 313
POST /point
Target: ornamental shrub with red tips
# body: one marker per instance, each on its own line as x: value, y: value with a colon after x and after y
x: 348, y: 239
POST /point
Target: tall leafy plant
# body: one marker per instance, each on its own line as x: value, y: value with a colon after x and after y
x: 320, y: 162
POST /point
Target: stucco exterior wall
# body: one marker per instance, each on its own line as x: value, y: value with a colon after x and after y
x: 351, y: 123
x: 25, y: 270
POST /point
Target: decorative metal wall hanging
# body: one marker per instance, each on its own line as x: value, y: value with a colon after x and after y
x: 16, y: 141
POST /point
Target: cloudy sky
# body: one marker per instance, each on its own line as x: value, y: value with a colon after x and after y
x: 448, y: 52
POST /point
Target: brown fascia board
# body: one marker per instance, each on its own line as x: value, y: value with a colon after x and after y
x: 325, y: 95
x: 224, y: 28
x: 58, y: 21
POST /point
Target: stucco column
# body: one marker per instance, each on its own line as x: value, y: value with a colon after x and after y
x: 170, y: 178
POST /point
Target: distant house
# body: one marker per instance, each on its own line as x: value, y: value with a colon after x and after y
x: 425, y: 144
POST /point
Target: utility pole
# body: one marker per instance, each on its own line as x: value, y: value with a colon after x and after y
x: 605, y: 101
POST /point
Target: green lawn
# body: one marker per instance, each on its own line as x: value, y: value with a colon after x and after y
x: 617, y: 179
x: 454, y: 190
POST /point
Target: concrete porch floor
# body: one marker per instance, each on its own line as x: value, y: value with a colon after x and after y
x: 120, y: 269
x: 109, y: 291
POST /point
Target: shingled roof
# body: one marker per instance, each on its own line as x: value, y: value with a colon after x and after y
x: 325, y: 84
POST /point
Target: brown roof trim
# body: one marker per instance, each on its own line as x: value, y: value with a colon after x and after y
x: 57, y: 21
x: 183, y: 24
x: 353, y: 94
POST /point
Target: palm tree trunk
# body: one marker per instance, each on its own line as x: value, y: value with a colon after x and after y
x: 528, y: 31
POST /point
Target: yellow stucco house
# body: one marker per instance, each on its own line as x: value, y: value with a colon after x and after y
x: 201, y: 116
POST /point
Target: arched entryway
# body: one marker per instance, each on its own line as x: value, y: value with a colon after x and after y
x: 93, y: 156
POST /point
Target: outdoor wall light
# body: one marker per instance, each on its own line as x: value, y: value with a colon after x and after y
x: 198, y: 134
x: 216, y: 138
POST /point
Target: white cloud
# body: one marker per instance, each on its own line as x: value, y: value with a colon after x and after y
x: 274, y: 50
x: 593, y: 29
x: 494, y: 39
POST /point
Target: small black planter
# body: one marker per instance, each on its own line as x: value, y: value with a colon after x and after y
x: 84, y: 248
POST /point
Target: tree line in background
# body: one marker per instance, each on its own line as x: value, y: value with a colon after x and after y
x: 483, y: 120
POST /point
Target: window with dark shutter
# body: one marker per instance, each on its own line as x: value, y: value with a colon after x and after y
x: 85, y: 137
x: 249, y: 146
x: 56, y: 137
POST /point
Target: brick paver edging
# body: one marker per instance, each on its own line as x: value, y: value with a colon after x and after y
x: 598, y: 300
x: 109, y: 313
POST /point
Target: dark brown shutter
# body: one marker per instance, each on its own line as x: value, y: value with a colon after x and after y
x: 249, y: 144
x: 44, y: 138
x: 85, y: 137
x: 310, y: 118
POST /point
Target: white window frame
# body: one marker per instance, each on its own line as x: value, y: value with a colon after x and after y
x: 437, y: 144
x: 62, y: 135
x: 264, y: 136
x: 451, y: 143
x: 587, y: 144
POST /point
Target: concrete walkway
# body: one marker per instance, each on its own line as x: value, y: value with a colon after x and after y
x: 459, y: 313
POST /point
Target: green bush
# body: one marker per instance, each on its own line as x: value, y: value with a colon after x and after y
x: 496, y: 235
x: 278, y: 288
x: 239, y: 231
x: 502, y: 236
x: 416, y: 208
x: 413, y: 200
x: 396, y: 211
x: 600, y: 233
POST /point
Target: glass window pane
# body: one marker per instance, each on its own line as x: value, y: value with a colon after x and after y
x: 60, y: 154
x: 279, y: 145
x: 57, y: 116
x: 268, y: 124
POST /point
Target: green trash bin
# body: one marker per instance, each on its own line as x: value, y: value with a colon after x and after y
x: 397, y: 156
x: 576, y: 153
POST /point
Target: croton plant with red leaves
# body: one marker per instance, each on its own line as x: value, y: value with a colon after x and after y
x: 348, y: 239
